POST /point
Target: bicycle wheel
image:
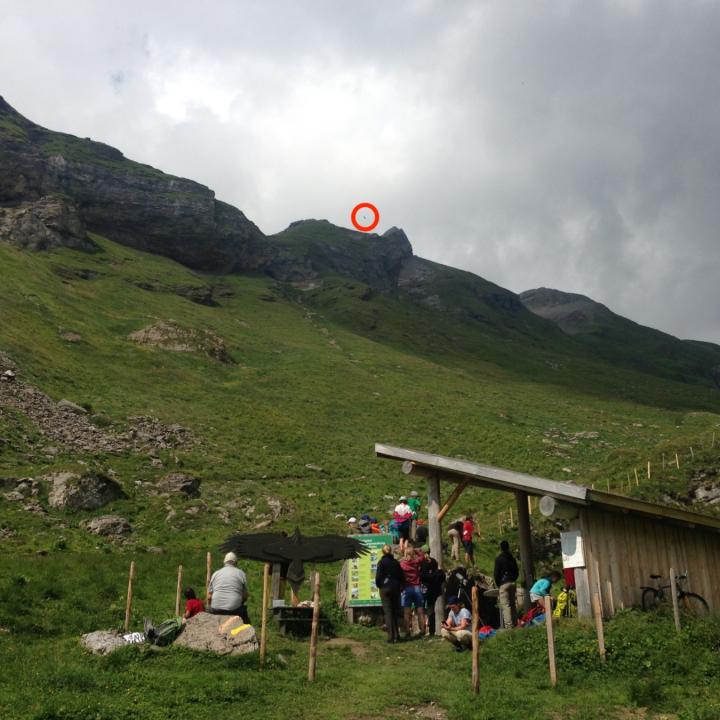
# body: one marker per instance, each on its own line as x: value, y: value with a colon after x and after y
x: 650, y: 599
x: 693, y: 604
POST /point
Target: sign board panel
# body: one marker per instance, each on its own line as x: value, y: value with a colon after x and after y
x: 571, y: 544
x: 361, y: 572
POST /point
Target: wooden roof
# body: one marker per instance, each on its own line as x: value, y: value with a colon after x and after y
x: 495, y: 478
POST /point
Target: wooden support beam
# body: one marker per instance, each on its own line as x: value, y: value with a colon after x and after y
x: 454, y: 495
x: 526, y: 558
x: 435, y: 538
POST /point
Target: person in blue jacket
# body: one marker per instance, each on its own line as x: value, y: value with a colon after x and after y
x: 541, y: 589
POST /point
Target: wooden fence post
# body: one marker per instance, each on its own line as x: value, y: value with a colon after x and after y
x: 692, y: 454
x: 178, y: 592
x: 263, y: 617
x: 599, y: 626
x: 550, y: 640
x: 314, y: 631
x: 663, y: 460
x: 475, y: 642
x: 648, y: 469
x: 208, y: 575
x: 676, y: 604
x: 128, y: 603
x: 677, y: 461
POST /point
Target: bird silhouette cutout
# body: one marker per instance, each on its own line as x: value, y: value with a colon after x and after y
x: 296, y: 549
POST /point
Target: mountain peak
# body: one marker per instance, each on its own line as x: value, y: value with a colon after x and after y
x: 573, y: 313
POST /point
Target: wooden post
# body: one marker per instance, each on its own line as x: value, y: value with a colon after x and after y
x: 677, y: 461
x: 692, y: 454
x: 663, y: 460
x: 512, y: 522
x: 637, y: 480
x: 676, y: 604
x: 608, y: 485
x: 648, y: 471
x: 475, y: 642
x: 611, y: 598
x: 263, y: 616
x: 178, y: 592
x: 314, y: 631
x: 550, y: 640
x: 530, y: 504
x: 435, y: 537
x: 454, y: 495
x: 275, y: 583
x: 128, y: 603
x: 599, y: 626
x: 526, y: 557
x: 208, y: 575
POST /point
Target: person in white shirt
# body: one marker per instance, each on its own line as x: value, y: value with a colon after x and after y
x: 457, y: 628
x: 227, y: 592
x: 402, y: 515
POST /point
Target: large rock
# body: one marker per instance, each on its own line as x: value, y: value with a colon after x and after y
x: 89, y: 492
x: 102, y: 642
x: 179, y: 483
x: 214, y: 633
x: 108, y: 525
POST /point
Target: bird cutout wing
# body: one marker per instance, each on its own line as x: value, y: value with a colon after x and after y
x: 295, y: 549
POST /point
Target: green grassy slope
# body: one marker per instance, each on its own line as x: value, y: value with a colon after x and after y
x: 310, y: 384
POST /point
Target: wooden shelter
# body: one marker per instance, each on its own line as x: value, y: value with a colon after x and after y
x: 623, y: 540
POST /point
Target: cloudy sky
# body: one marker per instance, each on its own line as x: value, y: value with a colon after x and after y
x: 568, y: 144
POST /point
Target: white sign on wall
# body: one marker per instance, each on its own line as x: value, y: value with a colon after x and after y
x: 571, y: 544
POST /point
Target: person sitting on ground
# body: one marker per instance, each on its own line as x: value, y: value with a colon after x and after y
x: 402, y: 515
x: 412, y: 595
x: 193, y: 605
x: 227, y: 592
x: 457, y: 629
x: 541, y: 589
x: 389, y: 579
x: 506, y: 575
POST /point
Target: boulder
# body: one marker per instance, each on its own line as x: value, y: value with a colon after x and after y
x: 89, y: 492
x: 182, y: 483
x: 108, y: 525
x: 102, y: 642
x: 218, y: 634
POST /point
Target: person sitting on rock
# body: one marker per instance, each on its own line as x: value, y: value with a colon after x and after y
x: 227, y: 592
x: 193, y: 605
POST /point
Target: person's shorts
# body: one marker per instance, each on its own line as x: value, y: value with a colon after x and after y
x: 404, y: 530
x: 412, y: 596
x: 469, y: 547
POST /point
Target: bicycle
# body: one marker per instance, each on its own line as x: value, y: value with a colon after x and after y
x: 691, y: 603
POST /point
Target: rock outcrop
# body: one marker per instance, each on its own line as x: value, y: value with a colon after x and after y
x: 128, y: 202
x: 108, y: 526
x: 170, y: 336
x: 179, y: 483
x: 89, y: 492
x: 50, y: 222
x: 218, y: 634
x: 102, y: 642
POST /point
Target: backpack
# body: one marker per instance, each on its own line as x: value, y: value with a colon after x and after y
x: 165, y: 633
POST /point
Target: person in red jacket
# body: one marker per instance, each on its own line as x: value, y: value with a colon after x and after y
x: 412, y: 594
x: 193, y: 605
x: 468, y: 532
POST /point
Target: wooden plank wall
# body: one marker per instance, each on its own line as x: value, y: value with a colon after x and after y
x: 628, y: 548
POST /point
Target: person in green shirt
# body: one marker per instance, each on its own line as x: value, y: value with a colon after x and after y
x: 414, y: 503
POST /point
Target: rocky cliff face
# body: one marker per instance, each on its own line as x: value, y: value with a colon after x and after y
x: 128, y: 202
x: 573, y: 313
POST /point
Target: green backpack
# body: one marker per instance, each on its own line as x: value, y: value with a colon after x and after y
x: 164, y: 633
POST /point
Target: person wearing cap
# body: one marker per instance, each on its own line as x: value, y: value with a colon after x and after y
x: 457, y: 628
x: 227, y: 591
x: 352, y: 526
x: 414, y: 504
x: 402, y: 515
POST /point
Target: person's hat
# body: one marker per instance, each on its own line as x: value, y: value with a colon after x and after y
x: 352, y: 520
x: 426, y: 549
x: 453, y: 600
x: 230, y: 557
x: 364, y: 517
x: 414, y: 493
x: 402, y: 497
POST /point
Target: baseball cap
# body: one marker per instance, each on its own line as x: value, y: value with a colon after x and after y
x: 403, y: 497
x: 414, y: 493
x: 352, y: 520
x: 230, y: 557
x: 453, y: 600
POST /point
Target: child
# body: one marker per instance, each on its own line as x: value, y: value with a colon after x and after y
x: 193, y: 606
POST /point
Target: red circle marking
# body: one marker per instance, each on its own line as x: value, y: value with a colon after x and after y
x: 372, y: 225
